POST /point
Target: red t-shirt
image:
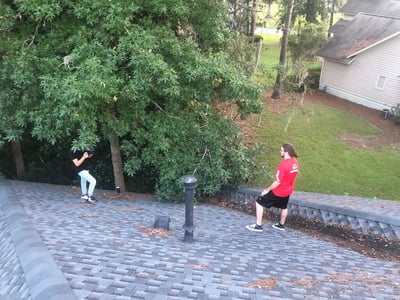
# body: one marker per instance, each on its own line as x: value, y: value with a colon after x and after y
x: 286, y: 174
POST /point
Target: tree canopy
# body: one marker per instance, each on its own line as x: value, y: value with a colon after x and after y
x: 313, y: 11
x: 144, y: 73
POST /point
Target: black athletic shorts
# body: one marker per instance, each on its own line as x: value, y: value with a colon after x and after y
x: 271, y: 200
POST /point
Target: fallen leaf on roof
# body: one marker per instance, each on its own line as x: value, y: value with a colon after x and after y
x: 131, y: 209
x: 268, y: 283
x: 154, y: 231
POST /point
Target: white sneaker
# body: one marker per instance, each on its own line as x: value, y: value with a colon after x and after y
x: 84, y: 197
x: 91, y: 200
x: 254, y: 227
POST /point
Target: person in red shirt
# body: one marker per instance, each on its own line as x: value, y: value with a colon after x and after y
x: 278, y: 193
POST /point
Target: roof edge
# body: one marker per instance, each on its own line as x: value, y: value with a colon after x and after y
x: 374, y: 44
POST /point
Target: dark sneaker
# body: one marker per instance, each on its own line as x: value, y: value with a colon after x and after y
x: 254, y: 227
x: 91, y: 200
x: 84, y: 197
x: 278, y: 226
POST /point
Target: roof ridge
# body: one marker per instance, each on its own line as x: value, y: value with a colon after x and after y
x: 377, y: 15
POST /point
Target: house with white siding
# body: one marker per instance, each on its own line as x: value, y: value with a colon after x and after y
x: 362, y: 59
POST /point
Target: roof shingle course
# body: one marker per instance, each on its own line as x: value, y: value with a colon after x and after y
x: 362, y: 32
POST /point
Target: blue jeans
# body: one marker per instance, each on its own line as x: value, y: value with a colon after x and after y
x: 85, y: 178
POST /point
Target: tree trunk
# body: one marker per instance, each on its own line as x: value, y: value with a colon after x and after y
x: 258, y: 53
x: 282, y: 57
x: 253, y: 18
x: 18, y: 158
x: 269, y: 11
x: 311, y: 11
x: 331, y: 17
x: 117, y: 164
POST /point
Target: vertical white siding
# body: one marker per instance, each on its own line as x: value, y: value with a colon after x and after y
x: 357, y: 82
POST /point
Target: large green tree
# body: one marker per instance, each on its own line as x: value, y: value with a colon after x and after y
x: 242, y: 15
x: 313, y: 11
x: 142, y: 74
x: 308, y: 19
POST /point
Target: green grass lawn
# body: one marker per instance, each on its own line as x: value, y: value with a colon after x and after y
x: 269, y: 59
x: 270, y: 52
x: 328, y: 164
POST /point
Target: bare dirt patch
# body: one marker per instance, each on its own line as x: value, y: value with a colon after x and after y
x: 390, y: 132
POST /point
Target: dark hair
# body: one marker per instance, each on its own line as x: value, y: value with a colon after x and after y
x: 290, y: 150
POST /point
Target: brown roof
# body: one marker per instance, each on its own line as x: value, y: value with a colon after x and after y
x: 388, y: 8
x: 362, y: 32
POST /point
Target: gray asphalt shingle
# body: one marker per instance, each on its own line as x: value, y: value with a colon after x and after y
x: 105, y: 251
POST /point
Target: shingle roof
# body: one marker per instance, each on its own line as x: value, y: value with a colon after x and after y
x: 388, y: 8
x: 339, y: 26
x: 362, y: 32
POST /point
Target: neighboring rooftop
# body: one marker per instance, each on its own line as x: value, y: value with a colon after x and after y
x: 339, y: 26
x: 363, y: 32
x: 388, y: 8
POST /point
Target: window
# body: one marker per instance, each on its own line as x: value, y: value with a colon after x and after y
x: 380, y: 83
